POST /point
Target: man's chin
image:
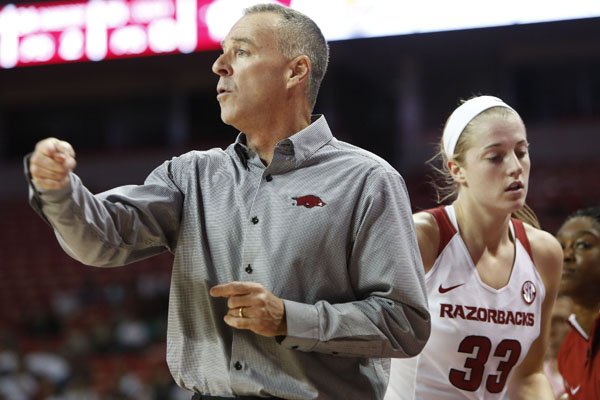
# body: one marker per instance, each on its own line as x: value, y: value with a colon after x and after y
x: 226, y: 118
x: 231, y: 122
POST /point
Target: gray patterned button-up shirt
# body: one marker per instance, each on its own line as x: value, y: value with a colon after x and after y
x: 326, y: 226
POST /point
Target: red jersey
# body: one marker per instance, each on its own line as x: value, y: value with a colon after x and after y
x: 579, y: 362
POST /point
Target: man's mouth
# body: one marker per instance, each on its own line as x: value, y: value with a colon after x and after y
x: 222, y: 90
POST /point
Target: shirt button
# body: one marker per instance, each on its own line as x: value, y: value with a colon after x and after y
x: 237, y: 365
x: 249, y: 269
x: 269, y: 178
x: 254, y: 220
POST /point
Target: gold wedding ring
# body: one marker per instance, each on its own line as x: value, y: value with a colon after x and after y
x: 241, y: 312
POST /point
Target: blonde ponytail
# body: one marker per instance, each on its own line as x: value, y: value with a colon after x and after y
x: 526, y: 214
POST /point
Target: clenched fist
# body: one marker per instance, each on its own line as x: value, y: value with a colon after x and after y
x: 50, y: 164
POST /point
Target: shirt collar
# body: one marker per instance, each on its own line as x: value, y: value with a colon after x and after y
x: 299, y: 147
x: 575, y: 325
x: 302, y: 145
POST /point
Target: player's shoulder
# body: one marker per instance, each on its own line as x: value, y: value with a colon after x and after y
x: 425, y: 221
x: 542, y: 242
x: 428, y: 237
x: 546, y: 251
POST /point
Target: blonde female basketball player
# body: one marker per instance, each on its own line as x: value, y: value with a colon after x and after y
x: 491, y: 278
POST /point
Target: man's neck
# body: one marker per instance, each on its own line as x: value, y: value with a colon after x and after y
x: 263, y: 141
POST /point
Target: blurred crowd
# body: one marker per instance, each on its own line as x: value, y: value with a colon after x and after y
x: 97, y: 341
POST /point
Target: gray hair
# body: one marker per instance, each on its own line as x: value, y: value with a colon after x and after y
x: 299, y: 35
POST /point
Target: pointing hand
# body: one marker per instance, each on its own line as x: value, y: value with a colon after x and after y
x: 252, y: 307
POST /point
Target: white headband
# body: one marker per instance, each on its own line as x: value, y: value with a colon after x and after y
x: 461, y: 117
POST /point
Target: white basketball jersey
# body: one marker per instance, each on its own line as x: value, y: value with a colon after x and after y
x: 479, y: 334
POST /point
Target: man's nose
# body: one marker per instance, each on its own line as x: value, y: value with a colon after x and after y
x: 221, y: 67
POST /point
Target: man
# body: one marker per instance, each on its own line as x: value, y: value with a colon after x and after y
x: 296, y: 272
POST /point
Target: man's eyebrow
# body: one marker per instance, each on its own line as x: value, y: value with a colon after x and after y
x: 238, y: 40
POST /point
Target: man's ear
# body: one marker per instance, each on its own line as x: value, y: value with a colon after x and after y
x: 298, y: 71
x: 457, y: 171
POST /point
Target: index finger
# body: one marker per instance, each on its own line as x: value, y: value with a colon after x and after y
x: 52, y: 147
x: 234, y: 289
x: 64, y: 147
x: 61, y: 150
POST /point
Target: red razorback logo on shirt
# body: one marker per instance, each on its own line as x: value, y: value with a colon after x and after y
x: 309, y: 201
